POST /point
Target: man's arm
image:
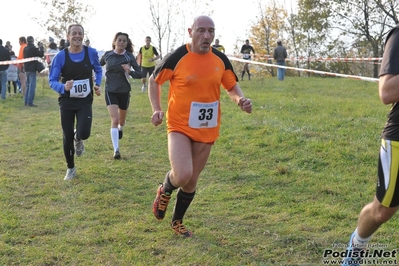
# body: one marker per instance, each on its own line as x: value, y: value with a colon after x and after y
x: 139, y: 57
x: 21, y: 56
x: 237, y: 96
x: 388, y: 88
x: 154, y: 94
x: 157, y: 56
x: 98, y: 70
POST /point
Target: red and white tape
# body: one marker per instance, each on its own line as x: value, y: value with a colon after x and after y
x: 316, y: 59
x: 18, y: 61
x: 305, y: 70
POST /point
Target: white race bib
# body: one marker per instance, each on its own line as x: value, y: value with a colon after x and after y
x: 80, y: 89
x: 203, y: 115
x: 246, y: 56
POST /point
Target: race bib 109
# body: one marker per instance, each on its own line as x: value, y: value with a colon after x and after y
x: 80, y: 89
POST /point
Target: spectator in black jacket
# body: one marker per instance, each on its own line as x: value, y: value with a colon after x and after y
x: 4, y: 56
x: 30, y: 68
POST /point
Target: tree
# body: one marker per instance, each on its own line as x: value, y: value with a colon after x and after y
x: 161, y: 15
x: 186, y: 11
x: 169, y: 20
x: 390, y: 9
x: 60, y: 14
x: 303, y: 33
x: 312, y: 33
x: 366, y: 23
x: 270, y: 27
x: 329, y: 28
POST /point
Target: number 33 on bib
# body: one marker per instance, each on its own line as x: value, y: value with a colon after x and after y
x: 203, y: 115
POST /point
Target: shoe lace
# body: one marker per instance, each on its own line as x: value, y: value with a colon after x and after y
x: 180, y: 228
x: 163, y: 202
x: 79, y: 144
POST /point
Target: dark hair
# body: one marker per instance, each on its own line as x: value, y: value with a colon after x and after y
x: 12, y: 53
x: 53, y: 46
x: 30, y: 39
x: 1, y: 42
x: 129, y: 46
x: 22, y: 39
x: 62, y: 44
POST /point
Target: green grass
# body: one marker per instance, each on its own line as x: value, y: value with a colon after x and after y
x: 281, y: 185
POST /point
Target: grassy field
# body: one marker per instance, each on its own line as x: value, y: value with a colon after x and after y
x: 282, y: 184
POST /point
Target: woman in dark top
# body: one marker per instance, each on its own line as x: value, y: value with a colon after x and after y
x: 119, y: 64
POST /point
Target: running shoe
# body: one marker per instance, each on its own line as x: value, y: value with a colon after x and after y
x: 180, y: 229
x: 160, y: 204
x: 117, y: 155
x: 79, y: 146
x: 70, y: 173
x: 120, y: 133
x: 349, y: 260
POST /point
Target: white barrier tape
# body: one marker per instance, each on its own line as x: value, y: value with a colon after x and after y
x: 314, y: 59
x: 337, y: 59
x: 305, y: 70
x: 18, y: 61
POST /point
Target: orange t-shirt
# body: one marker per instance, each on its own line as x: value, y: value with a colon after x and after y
x: 194, y: 91
x: 21, y: 55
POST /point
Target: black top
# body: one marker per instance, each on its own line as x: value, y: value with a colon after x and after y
x: 76, y: 71
x: 246, y: 51
x: 390, y: 65
x: 4, y: 56
x: 32, y: 51
x: 116, y: 79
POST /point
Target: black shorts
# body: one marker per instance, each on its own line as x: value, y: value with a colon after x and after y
x: 387, y: 191
x: 148, y: 70
x: 120, y: 99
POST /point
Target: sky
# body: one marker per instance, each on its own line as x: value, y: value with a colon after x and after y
x: 232, y: 18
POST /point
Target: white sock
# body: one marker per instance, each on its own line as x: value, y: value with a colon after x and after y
x: 359, y: 242
x: 120, y: 128
x: 115, y: 138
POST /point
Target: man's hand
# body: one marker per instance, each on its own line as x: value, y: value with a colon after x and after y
x: 245, y: 104
x: 97, y: 90
x: 157, y: 118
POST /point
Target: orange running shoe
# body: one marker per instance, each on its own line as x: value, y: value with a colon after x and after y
x: 160, y: 204
x: 180, y: 229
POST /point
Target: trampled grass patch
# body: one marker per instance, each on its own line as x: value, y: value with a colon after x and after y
x: 282, y: 184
